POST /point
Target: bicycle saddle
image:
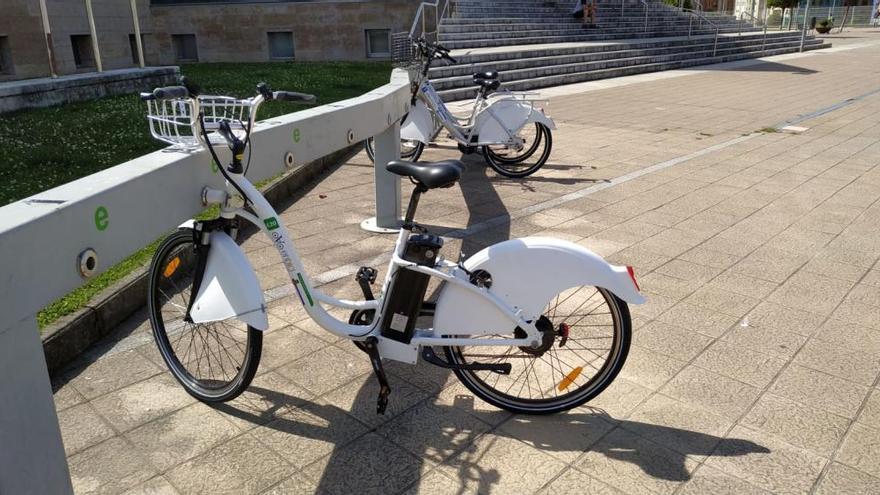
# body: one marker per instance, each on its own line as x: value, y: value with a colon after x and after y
x: 431, y: 175
x: 486, y: 75
x: 489, y: 84
x: 488, y: 80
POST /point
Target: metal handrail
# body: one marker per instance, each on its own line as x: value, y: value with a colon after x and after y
x: 645, y: 6
x: 755, y: 23
x: 702, y: 18
x: 439, y: 15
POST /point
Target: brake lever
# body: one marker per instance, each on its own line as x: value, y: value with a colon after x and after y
x: 265, y: 91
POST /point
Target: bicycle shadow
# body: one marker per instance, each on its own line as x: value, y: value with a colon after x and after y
x: 437, y: 431
x: 446, y: 438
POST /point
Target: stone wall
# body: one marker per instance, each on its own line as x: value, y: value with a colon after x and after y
x: 322, y: 30
x: 113, y: 22
x: 226, y: 31
x: 21, y: 25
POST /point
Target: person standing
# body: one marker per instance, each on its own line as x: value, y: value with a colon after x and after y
x: 590, y: 9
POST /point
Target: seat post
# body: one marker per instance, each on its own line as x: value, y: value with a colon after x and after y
x: 413, y: 204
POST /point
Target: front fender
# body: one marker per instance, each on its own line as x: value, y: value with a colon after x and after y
x: 418, y: 124
x: 526, y: 274
x: 230, y: 288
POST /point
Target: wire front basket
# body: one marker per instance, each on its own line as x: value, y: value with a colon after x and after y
x: 403, y: 52
x: 176, y: 122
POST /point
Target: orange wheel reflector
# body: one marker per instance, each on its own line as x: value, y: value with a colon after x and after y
x: 171, y: 267
x: 570, y: 378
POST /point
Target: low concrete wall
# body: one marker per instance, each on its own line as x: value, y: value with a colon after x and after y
x: 44, y: 92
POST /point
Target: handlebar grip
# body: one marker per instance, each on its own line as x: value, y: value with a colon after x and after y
x: 448, y: 57
x: 170, y: 92
x: 292, y: 96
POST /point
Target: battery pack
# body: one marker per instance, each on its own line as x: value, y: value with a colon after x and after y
x: 409, y: 287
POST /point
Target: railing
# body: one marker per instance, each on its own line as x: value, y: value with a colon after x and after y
x: 697, y: 5
x: 701, y: 18
x: 645, y: 6
x: 755, y: 23
x: 419, y: 28
x: 106, y: 216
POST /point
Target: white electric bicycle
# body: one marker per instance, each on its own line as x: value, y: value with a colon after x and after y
x: 514, y: 136
x: 533, y: 325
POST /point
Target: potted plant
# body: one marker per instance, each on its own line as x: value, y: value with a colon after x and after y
x: 824, y: 26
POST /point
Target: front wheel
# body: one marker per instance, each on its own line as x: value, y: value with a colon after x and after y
x: 216, y: 361
x: 586, y: 336
x: 518, y: 160
x: 410, y: 149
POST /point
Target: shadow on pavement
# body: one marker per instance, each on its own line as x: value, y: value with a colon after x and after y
x: 575, y: 432
x: 766, y: 67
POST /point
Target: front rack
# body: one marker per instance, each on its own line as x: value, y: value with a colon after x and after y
x: 176, y: 122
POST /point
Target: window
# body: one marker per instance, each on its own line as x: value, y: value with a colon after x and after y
x: 132, y: 44
x: 378, y: 43
x: 83, y: 56
x: 281, y: 45
x: 185, y: 49
x: 5, y: 56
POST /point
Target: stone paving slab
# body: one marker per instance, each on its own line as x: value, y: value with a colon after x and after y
x: 754, y: 366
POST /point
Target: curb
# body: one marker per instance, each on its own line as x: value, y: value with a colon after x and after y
x: 70, y: 335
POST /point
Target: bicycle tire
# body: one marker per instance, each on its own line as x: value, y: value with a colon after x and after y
x: 173, y: 263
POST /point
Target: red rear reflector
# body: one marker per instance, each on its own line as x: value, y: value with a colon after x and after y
x: 632, y: 275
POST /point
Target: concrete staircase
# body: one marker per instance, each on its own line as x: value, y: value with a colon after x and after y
x: 536, y: 43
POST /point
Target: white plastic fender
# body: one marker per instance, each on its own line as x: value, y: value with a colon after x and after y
x: 230, y: 288
x: 513, y: 113
x: 526, y: 274
x: 418, y: 124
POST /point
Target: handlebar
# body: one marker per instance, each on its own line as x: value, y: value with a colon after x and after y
x: 432, y: 50
x: 269, y: 95
x: 293, y: 96
x: 166, y: 93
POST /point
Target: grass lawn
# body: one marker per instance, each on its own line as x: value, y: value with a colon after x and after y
x: 44, y: 148
x: 47, y: 147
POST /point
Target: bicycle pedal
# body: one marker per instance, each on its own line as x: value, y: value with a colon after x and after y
x: 365, y: 277
x: 367, y: 274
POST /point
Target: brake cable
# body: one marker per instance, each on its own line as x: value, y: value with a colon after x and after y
x: 217, y: 159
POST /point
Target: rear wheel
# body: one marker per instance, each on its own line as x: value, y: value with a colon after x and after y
x: 216, y: 361
x: 586, y: 337
x: 410, y: 150
x: 530, y: 153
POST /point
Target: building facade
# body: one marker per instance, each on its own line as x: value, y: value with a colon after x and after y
x: 175, y: 32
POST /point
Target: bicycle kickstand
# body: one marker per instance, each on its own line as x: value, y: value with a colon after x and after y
x: 371, y: 347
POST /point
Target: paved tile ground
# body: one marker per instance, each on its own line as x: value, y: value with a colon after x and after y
x: 755, y: 362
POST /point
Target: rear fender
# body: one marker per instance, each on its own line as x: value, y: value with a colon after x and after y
x: 505, y: 117
x: 526, y: 274
x: 230, y: 288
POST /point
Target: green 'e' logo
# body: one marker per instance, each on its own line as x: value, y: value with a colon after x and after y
x: 102, y: 218
x: 296, y: 135
x: 271, y: 223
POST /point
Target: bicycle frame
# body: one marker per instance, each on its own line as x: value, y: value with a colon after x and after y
x: 499, y: 316
x: 492, y: 121
x: 266, y: 219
